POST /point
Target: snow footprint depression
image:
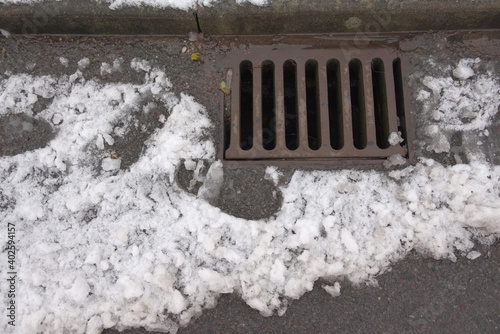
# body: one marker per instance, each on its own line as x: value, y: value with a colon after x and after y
x: 101, y: 247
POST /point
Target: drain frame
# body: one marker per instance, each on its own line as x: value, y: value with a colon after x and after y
x: 323, y: 51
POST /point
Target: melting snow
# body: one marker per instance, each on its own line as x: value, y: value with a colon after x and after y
x: 461, y: 105
x: 180, y: 4
x: 102, y: 247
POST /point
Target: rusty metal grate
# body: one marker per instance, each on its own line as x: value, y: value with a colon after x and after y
x: 299, y: 103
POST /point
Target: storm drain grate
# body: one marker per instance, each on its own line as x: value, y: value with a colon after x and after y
x: 292, y: 103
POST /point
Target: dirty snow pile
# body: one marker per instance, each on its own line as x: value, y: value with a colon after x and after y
x: 103, y: 247
x: 179, y: 4
x: 464, y: 102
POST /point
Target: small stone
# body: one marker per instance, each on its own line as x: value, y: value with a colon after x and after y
x: 184, y: 49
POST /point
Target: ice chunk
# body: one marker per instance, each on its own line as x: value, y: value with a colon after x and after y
x: 121, y: 236
x: 277, y: 273
x: 423, y: 95
x: 83, y: 63
x: 216, y: 281
x: 94, y: 256
x: 213, y: 182
x: 109, y: 164
x: 99, y: 142
x: 109, y: 140
x: 432, y: 130
x: 64, y: 61
x: 334, y: 290
x: 349, y: 241
x: 394, y: 160
x: 57, y: 119
x: 5, y: 33
x: 95, y: 325
x: 473, y: 255
x: 176, y: 303
x: 140, y: 65
x: 395, y: 138
x: 79, y: 290
x: 189, y: 164
x: 463, y: 70
x: 129, y: 288
x: 106, y: 68
x: 273, y: 174
x: 440, y: 144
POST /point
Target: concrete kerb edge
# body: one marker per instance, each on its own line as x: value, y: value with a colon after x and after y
x: 227, y: 17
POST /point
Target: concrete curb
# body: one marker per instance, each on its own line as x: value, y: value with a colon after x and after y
x: 227, y: 17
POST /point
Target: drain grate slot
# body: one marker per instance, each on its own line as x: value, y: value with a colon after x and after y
x: 268, y: 106
x: 246, y: 105
x: 358, y: 115
x: 313, y: 117
x: 399, y: 97
x: 290, y: 104
x: 335, y: 104
x: 380, y: 103
x: 315, y: 108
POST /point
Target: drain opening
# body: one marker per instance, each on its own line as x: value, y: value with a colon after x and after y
x: 290, y: 104
x: 400, y: 104
x: 335, y: 104
x: 380, y: 103
x: 315, y: 108
x: 357, y: 104
x: 313, y: 118
x: 246, y: 105
x: 268, y: 107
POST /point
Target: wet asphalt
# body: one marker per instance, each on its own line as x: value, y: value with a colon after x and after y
x: 419, y: 295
